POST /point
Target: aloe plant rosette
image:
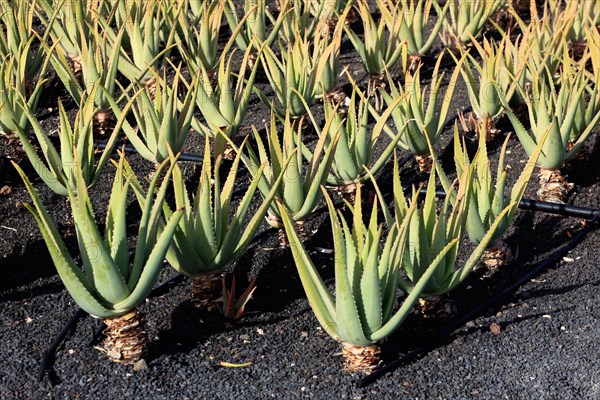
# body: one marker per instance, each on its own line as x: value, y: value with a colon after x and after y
x: 367, y: 272
x: 436, y: 236
x: 211, y: 236
x: 492, y: 74
x: 163, y: 118
x: 252, y: 32
x: 353, y: 160
x: 419, y: 115
x: 299, y: 189
x: 561, y: 112
x: 488, y: 198
x: 98, y: 66
x: 467, y: 20
x: 224, y: 103
x: 294, y: 76
x: 68, y: 23
x: 414, y: 17
x: 14, y: 96
x: 17, y: 37
x: 77, y: 152
x: 379, y: 52
x: 108, y: 285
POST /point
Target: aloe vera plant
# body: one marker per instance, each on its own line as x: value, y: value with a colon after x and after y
x: 16, y: 94
x: 495, y: 72
x: 414, y: 17
x: 581, y: 16
x: 299, y: 191
x: 353, y: 159
x: 589, y: 103
x: 488, y: 198
x: 145, y: 43
x: 543, y: 40
x: 419, y: 111
x: 198, y: 39
x: 163, y: 118
x: 298, y: 19
x: 17, y: 36
x: 224, y: 103
x: 558, y: 111
x: 60, y: 168
x: 330, y: 46
x: 253, y: 33
x: 467, y: 20
x: 211, y: 236
x: 431, y: 231
x: 68, y: 24
x: 364, y: 309
x: 98, y: 66
x: 383, y: 46
x: 294, y: 77
x: 108, y: 285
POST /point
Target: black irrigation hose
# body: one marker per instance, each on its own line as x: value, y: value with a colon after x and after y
x: 565, y: 210
x: 49, y: 353
x: 446, y: 334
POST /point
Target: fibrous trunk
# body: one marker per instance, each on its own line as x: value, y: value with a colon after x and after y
x: 335, y: 96
x: 554, y: 188
x: 283, y: 238
x: 413, y: 62
x: 497, y: 256
x: 425, y: 163
x: 104, y: 121
x: 347, y: 192
x: 207, y: 291
x: 125, y: 338
x: 76, y: 66
x: 435, y: 307
x: 362, y: 359
x: 151, y: 84
x: 480, y: 125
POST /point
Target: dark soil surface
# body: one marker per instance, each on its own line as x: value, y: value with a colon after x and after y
x: 541, y: 343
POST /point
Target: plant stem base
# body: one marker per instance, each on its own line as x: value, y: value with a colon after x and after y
x: 361, y: 359
x: 76, y: 66
x: 498, y: 256
x: 283, y: 238
x: 125, y: 338
x: 347, y: 192
x: 413, y: 62
x: 436, y: 307
x: 424, y: 163
x: 252, y: 58
x: 207, y: 291
x: 375, y: 83
x: 151, y: 84
x: 335, y: 96
x: 104, y: 121
x: 554, y: 188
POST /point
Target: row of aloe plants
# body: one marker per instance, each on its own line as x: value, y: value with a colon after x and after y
x: 89, y: 44
x: 414, y: 249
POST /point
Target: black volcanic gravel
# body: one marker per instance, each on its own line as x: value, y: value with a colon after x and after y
x: 547, y: 345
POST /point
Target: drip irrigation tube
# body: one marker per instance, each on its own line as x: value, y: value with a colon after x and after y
x: 50, y: 351
x: 565, y: 210
x: 447, y: 334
